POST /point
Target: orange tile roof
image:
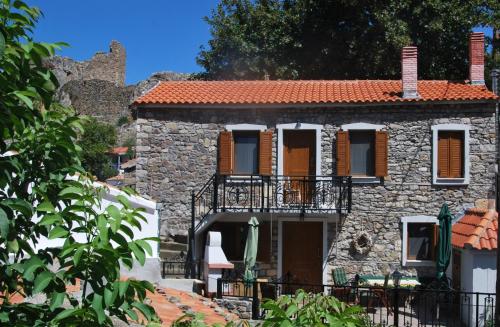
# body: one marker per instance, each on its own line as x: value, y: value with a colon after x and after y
x: 119, y: 150
x: 306, y: 92
x: 477, y: 229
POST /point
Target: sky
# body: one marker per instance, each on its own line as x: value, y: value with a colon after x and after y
x: 158, y: 35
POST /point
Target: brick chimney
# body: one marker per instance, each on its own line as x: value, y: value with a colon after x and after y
x: 409, y: 72
x: 476, y: 58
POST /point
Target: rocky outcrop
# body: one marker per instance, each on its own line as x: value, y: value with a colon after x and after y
x: 103, y: 66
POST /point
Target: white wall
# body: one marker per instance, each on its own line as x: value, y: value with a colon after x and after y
x: 478, y: 274
x: 485, y: 271
x: 148, y: 229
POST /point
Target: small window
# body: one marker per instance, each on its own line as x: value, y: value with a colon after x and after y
x: 420, y: 241
x: 450, y: 154
x: 362, y: 153
x: 246, y: 156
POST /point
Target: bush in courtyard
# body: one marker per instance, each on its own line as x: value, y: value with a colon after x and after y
x: 307, y: 309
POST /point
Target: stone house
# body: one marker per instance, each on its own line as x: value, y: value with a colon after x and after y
x: 344, y: 173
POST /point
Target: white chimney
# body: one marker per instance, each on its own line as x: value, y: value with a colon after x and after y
x: 409, y: 72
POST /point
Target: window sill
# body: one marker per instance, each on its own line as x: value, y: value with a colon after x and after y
x: 419, y: 263
x: 450, y: 181
x: 365, y: 180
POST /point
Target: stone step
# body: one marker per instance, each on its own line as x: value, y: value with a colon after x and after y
x: 173, y: 246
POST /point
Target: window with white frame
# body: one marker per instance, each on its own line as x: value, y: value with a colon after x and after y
x: 362, y: 152
x: 419, y: 240
x: 450, y: 154
x: 245, y: 149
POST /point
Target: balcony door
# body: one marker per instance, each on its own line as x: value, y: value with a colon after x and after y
x: 299, y: 162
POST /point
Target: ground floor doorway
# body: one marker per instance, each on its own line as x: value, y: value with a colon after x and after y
x: 302, y: 251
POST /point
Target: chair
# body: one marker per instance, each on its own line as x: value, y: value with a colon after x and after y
x: 340, y: 277
x: 382, y: 295
x: 343, y: 287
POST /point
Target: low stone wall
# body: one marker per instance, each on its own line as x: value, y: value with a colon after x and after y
x: 236, y: 305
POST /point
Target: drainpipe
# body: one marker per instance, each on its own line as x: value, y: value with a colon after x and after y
x: 192, y: 239
x: 495, y: 74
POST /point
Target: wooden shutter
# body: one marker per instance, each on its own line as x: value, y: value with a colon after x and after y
x: 381, y: 151
x: 450, y: 154
x: 456, y: 154
x: 443, y: 155
x: 225, y: 160
x: 343, y: 154
x: 266, y: 153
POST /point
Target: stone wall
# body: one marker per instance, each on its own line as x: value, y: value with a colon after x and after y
x: 177, y: 151
x: 102, y: 66
x: 98, y: 98
x: 240, y: 306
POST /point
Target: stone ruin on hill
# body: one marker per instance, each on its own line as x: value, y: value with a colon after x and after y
x: 96, y: 87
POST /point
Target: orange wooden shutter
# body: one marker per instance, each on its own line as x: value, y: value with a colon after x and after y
x: 343, y: 154
x: 443, y: 155
x: 266, y: 153
x: 456, y: 154
x: 225, y: 163
x: 381, y: 145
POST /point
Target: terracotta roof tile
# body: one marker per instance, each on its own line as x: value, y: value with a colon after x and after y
x: 477, y: 229
x: 120, y: 150
x: 306, y: 92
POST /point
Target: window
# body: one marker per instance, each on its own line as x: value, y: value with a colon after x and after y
x: 450, y: 154
x: 419, y: 240
x: 246, y: 157
x: 245, y: 149
x: 362, y: 153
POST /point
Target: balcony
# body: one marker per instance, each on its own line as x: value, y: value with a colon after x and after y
x: 275, y: 194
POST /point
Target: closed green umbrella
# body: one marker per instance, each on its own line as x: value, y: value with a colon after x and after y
x: 444, y: 242
x: 251, y: 248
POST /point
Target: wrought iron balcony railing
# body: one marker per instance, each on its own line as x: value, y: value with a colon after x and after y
x: 300, y: 194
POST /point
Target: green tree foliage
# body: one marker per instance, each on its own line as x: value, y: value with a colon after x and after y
x: 44, y: 192
x: 339, y: 39
x: 97, y: 140
x: 307, y: 309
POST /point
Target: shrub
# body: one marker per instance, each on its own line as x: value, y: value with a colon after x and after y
x: 123, y: 120
x: 307, y: 309
x: 98, y: 138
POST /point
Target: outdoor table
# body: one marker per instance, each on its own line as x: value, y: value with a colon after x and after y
x: 378, y: 280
